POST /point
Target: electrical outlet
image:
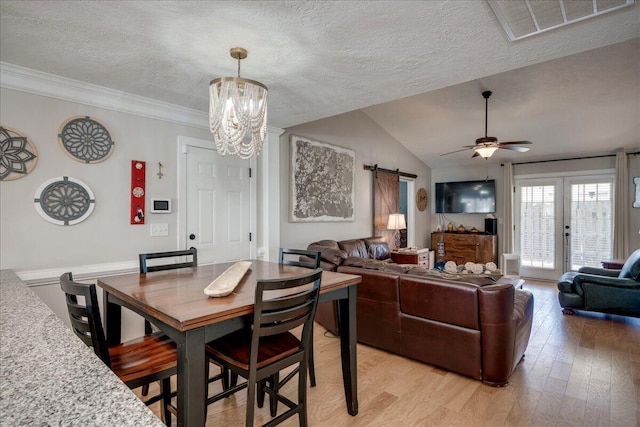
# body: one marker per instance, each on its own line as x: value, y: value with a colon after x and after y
x: 159, y: 230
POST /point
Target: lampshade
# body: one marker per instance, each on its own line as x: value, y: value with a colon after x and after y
x: 237, y: 107
x: 396, y: 222
x: 486, y: 152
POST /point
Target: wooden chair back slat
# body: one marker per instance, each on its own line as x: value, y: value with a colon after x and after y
x: 314, y: 255
x: 291, y: 312
x: 85, y: 320
x: 145, y: 268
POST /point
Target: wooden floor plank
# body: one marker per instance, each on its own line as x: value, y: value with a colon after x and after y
x: 581, y: 370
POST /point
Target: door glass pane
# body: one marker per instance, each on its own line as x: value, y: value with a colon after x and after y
x: 537, y: 230
x: 591, y: 224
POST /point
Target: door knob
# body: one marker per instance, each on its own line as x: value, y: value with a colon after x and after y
x: 192, y: 236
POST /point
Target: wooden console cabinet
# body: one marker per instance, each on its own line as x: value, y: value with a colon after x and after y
x: 466, y: 247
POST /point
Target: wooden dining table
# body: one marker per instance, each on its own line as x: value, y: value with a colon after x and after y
x: 174, y: 301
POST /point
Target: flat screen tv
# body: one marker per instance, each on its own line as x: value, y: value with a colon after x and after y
x: 466, y: 197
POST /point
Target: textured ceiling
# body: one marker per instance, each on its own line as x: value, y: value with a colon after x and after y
x: 324, y: 58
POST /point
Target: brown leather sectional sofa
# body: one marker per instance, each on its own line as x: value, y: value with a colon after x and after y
x: 476, y: 327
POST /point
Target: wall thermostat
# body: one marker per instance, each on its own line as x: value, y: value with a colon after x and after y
x: 160, y: 205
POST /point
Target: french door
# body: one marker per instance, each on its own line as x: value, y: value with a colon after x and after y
x: 563, y: 223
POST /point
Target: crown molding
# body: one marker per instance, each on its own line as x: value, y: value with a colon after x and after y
x: 45, y: 84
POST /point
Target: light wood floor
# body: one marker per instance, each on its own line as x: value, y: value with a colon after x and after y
x: 581, y: 370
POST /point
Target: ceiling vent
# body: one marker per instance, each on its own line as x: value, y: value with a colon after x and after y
x: 524, y: 18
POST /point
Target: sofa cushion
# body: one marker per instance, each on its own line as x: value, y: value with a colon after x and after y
x: 329, y: 251
x: 376, y: 264
x: 377, y: 248
x: 439, y: 300
x: 631, y: 268
x: 476, y: 279
x: 354, y: 248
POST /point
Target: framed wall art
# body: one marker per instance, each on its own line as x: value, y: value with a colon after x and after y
x: 64, y: 200
x: 18, y: 155
x: 322, y: 181
x: 85, y: 139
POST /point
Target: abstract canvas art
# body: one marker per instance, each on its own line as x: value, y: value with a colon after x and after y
x: 322, y: 181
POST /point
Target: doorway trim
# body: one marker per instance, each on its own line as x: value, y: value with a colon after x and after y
x: 411, y: 210
x: 183, y: 146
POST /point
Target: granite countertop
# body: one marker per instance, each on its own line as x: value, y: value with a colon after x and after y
x: 49, y: 377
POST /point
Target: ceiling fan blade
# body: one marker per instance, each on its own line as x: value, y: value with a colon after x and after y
x: 475, y: 155
x: 457, y: 151
x: 515, y: 148
x: 515, y: 143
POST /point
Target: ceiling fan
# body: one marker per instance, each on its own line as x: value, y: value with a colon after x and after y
x: 487, y: 145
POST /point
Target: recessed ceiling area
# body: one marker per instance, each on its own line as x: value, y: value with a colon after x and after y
x: 417, y: 70
x: 524, y: 18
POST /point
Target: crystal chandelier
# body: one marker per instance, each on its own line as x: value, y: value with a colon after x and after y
x: 238, y: 106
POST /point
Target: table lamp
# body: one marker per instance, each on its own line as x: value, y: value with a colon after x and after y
x: 396, y: 222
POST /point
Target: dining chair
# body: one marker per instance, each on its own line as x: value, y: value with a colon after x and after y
x: 259, y: 353
x: 137, y: 362
x: 170, y: 265
x: 146, y: 268
x: 315, y: 263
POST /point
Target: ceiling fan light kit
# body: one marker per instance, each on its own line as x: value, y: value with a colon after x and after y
x: 486, y: 152
x: 487, y: 145
x: 238, y: 107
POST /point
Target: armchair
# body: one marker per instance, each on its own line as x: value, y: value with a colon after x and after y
x: 603, y: 290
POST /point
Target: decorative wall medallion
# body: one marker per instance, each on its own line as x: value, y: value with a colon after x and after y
x: 64, y: 201
x: 18, y: 156
x: 421, y: 199
x: 85, y: 139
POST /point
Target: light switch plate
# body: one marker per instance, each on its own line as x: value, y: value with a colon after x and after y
x: 158, y: 230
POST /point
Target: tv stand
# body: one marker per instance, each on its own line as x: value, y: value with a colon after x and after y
x: 466, y: 247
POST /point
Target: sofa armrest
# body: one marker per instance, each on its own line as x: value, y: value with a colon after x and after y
x: 325, y: 265
x: 330, y: 255
x: 498, y: 332
x: 599, y: 271
x: 581, y: 279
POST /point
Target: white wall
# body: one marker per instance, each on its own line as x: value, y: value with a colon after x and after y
x: 372, y: 145
x: 29, y: 242
x: 495, y: 172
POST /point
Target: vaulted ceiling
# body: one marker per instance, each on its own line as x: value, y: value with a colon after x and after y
x: 415, y: 68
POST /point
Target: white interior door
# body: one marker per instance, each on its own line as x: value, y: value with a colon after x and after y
x: 218, y: 211
x: 564, y: 223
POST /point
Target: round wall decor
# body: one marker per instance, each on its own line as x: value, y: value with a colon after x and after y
x: 18, y: 156
x: 64, y: 201
x: 421, y: 199
x: 85, y: 139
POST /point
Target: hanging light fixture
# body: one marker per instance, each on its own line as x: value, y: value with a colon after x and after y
x: 238, y: 106
x: 486, y: 151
